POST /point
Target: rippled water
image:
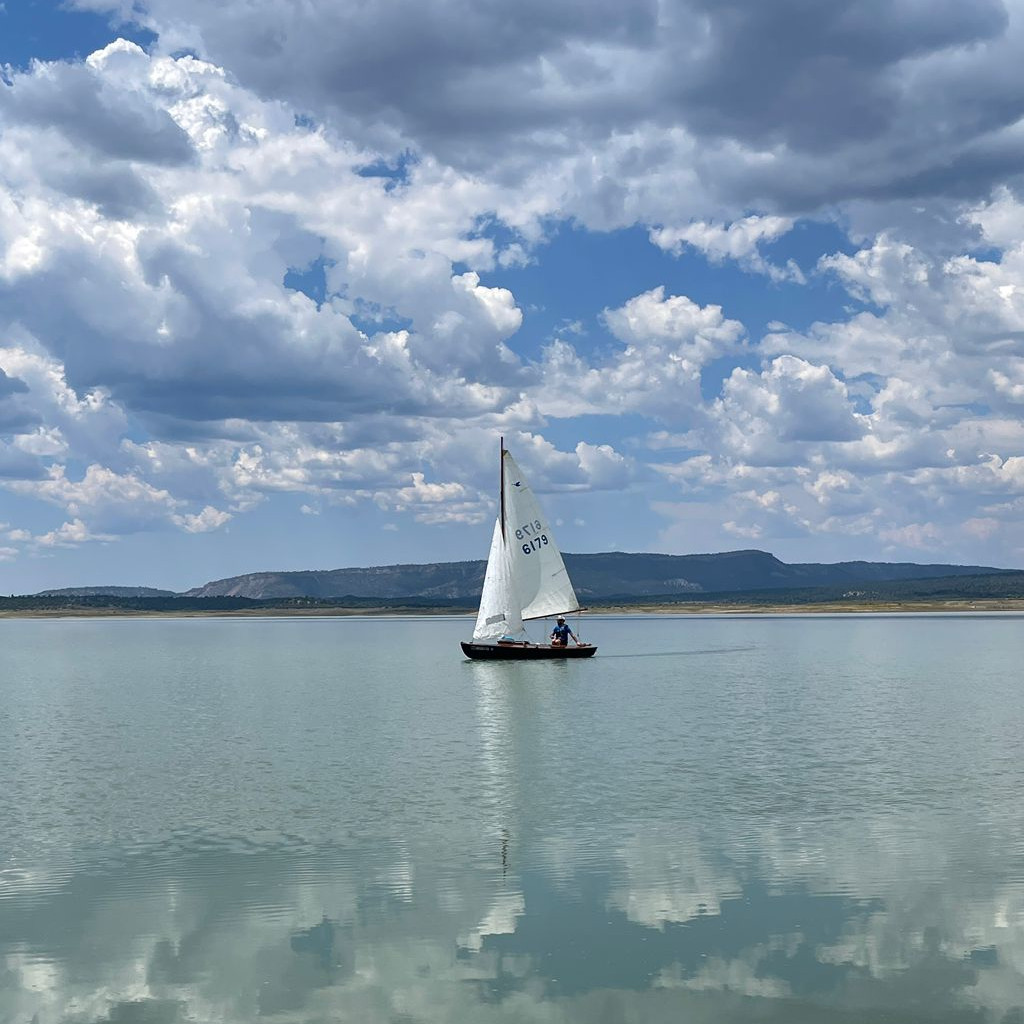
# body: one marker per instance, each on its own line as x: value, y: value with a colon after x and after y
x: 778, y: 820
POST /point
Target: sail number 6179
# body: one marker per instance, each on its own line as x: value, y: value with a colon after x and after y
x: 535, y: 544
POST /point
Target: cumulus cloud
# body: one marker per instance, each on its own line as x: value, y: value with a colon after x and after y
x: 897, y: 411
x: 184, y: 313
x: 96, y: 111
x: 208, y: 519
x: 667, y: 341
x: 69, y: 535
x: 120, y: 502
x: 739, y: 241
x: 791, y: 401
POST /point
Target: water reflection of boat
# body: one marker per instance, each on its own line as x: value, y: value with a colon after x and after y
x: 525, y: 579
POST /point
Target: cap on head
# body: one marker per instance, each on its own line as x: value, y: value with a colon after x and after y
x: 560, y: 619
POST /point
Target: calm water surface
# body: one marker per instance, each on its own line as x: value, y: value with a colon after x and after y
x: 780, y: 820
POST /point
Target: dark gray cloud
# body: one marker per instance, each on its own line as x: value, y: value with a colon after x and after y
x: 89, y: 111
x: 412, y: 62
x: 815, y: 75
x: 863, y: 99
x: 115, y: 189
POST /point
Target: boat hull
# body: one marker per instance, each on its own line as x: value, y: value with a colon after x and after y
x: 524, y: 652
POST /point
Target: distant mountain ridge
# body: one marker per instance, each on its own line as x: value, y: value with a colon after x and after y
x: 107, y: 592
x: 595, y: 576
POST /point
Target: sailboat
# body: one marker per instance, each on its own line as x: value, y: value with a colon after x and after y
x: 525, y: 578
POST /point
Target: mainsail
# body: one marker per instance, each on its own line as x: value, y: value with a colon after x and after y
x: 526, y: 577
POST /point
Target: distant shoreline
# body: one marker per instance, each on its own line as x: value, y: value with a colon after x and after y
x: 732, y: 608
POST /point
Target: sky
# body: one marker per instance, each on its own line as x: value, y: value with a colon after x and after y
x: 725, y: 274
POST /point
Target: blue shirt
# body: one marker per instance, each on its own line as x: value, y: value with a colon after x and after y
x: 561, y: 632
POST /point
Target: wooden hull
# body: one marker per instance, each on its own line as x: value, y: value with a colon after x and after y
x: 524, y: 652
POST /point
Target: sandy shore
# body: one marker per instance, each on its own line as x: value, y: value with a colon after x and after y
x: 823, y: 608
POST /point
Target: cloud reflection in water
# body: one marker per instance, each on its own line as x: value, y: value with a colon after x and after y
x: 715, y: 934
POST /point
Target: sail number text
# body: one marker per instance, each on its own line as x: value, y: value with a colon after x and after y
x: 530, y: 534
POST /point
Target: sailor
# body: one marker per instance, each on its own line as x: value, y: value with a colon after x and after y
x: 561, y: 633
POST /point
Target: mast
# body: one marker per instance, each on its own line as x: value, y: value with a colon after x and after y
x: 501, y: 470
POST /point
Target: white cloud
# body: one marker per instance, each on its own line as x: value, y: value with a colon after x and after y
x: 69, y: 535
x: 101, y: 492
x: 160, y: 301
x: 983, y: 528
x: 207, y: 520
x: 700, y: 333
x: 667, y: 343
x: 604, y: 467
x: 44, y: 441
x: 919, y: 536
x: 760, y: 416
x: 422, y: 492
x: 739, y: 241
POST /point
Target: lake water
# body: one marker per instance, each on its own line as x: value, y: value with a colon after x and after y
x: 782, y: 820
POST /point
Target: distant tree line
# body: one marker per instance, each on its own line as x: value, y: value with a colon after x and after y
x: 106, y: 603
x: 991, y: 586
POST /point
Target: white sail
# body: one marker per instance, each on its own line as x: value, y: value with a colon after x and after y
x: 499, y: 613
x: 535, y: 564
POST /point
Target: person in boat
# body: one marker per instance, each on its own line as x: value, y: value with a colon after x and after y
x: 561, y: 633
